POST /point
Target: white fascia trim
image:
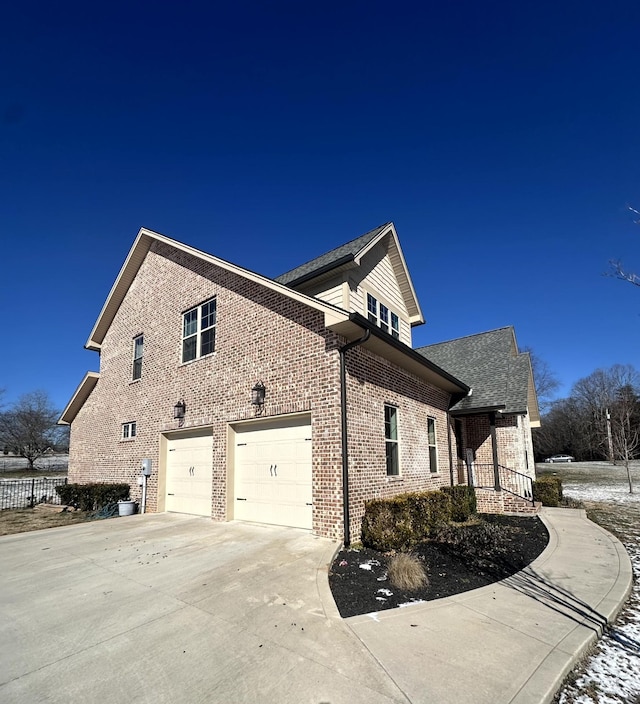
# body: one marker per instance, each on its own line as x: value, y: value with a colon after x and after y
x: 417, y: 318
x: 136, y: 256
x: 80, y: 395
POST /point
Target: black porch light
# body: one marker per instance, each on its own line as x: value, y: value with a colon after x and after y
x: 257, y: 394
x: 178, y: 410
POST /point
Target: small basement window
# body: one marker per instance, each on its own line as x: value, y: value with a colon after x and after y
x: 129, y: 430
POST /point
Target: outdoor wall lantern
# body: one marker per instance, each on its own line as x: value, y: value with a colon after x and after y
x: 178, y: 410
x: 257, y: 394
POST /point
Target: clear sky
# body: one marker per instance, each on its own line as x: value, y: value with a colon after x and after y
x: 502, y: 139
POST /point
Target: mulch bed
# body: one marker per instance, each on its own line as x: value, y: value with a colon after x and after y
x: 358, y: 577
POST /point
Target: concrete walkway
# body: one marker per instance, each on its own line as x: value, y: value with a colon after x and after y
x: 169, y: 608
x: 513, y: 641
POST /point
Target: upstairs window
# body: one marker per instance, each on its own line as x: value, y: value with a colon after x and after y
x: 380, y: 315
x: 433, y: 448
x: 391, y: 440
x: 199, y: 331
x: 138, y: 345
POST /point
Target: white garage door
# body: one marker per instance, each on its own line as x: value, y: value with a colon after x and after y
x: 272, y: 478
x: 189, y: 473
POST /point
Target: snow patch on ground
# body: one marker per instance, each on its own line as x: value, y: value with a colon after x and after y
x: 611, y: 493
x: 612, y: 674
x: 369, y: 565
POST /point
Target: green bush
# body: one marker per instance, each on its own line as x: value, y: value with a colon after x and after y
x: 463, y: 501
x: 548, y: 490
x: 400, y: 522
x: 91, y: 497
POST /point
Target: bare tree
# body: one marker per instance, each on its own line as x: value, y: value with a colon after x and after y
x: 579, y: 424
x: 625, y: 428
x: 29, y: 427
x: 616, y: 269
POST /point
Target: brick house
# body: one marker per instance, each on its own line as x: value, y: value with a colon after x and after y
x: 258, y: 399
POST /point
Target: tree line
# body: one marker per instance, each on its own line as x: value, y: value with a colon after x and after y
x: 599, y: 420
x: 28, y: 428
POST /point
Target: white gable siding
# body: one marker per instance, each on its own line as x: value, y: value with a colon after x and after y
x: 330, y: 290
x: 378, y: 279
x: 381, y: 279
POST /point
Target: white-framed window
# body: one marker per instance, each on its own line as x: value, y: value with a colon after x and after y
x: 380, y: 315
x: 395, y: 326
x: 199, y: 331
x: 392, y: 449
x: 372, y: 309
x: 433, y: 447
x: 129, y: 430
x: 138, y: 347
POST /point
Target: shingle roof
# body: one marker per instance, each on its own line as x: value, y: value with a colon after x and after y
x: 490, y: 364
x: 330, y: 260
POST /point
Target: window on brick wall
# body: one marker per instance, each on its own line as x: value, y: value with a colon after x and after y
x: 457, y: 429
x: 380, y: 315
x: 199, y: 331
x: 391, y: 440
x: 433, y: 447
x: 138, y: 345
x: 129, y: 430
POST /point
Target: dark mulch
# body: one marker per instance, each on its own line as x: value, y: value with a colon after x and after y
x: 358, y: 577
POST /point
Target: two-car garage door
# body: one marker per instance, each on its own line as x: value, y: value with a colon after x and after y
x: 272, y: 477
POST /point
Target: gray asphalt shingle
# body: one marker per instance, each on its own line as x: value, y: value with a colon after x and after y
x: 330, y: 259
x: 490, y: 364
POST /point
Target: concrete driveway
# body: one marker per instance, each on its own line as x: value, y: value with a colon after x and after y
x: 172, y: 608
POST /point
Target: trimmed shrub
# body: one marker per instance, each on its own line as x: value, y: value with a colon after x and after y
x: 400, y: 522
x: 429, y: 510
x: 548, y: 490
x: 406, y: 572
x: 91, y: 497
x: 463, y: 501
x: 387, y: 524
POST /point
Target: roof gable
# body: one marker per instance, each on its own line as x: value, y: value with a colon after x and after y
x: 137, y: 255
x: 500, y: 376
x: 351, y: 254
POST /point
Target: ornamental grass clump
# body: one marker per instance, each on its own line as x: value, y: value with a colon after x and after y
x: 406, y: 572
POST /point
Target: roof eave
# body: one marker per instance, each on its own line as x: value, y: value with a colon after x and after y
x: 401, y: 271
x: 136, y: 256
x: 388, y: 347
x: 80, y: 395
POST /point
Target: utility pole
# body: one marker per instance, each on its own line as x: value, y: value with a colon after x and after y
x: 609, y: 438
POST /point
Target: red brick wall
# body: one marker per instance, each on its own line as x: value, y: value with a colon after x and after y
x: 260, y: 335
x: 373, y: 382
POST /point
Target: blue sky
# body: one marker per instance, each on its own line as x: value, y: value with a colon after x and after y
x: 502, y: 139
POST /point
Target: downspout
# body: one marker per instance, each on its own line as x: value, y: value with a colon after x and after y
x: 345, y: 447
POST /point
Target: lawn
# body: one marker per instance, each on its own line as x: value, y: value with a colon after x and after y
x: 27, y: 519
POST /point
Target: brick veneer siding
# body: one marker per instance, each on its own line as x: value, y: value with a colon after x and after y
x: 260, y: 335
x: 372, y: 382
x: 515, y: 448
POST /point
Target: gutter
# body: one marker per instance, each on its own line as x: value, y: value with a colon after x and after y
x: 345, y: 446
